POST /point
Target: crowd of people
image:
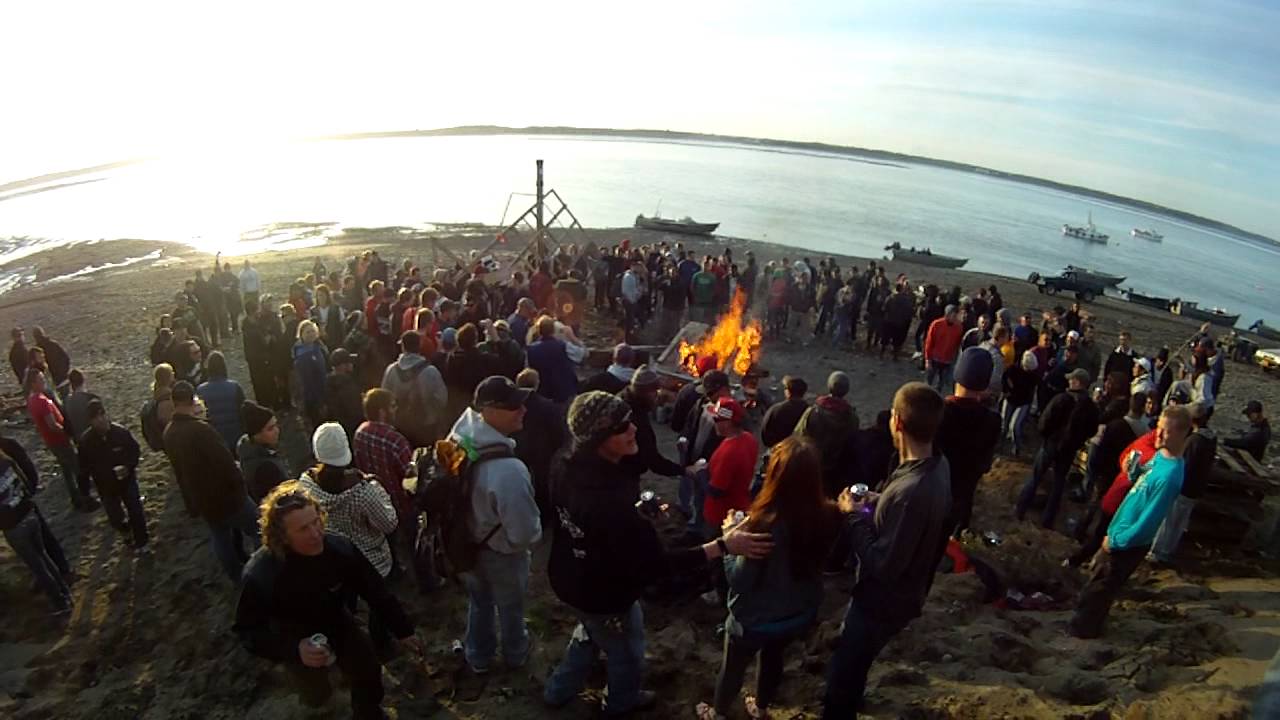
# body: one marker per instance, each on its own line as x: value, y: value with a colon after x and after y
x: 472, y: 380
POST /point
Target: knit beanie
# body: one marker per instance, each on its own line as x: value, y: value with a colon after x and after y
x: 593, y: 415
x: 644, y: 378
x: 255, y: 417
x: 329, y: 444
x: 973, y: 369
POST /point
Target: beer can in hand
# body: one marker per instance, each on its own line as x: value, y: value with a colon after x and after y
x: 321, y: 642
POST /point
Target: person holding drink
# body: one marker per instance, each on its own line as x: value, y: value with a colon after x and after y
x: 109, y: 456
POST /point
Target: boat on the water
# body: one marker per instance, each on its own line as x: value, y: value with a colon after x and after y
x: 1189, y: 309
x: 1146, y: 234
x: 1102, y: 278
x: 684, y: 226
x: 925, y: 257
x: 1085, y: 232
x: 1149, y: 300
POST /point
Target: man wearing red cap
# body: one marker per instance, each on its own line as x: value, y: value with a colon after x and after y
x: 732, y: 467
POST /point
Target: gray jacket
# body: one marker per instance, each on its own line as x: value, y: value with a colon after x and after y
x: 503, y: 490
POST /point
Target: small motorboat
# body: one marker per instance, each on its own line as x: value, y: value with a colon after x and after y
x: 1146, y: 234
x: 1189, y: 309
x: 1085, y: 232
x: 925, y: 257
x: 1102, y: 278
x: 1158, y: 303
x: 1262, y: 329
x: 684, y: 226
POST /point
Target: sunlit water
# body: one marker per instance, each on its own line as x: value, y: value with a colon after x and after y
x: 820, y: 203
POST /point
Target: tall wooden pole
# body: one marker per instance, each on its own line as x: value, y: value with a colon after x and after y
x: 541, y: 229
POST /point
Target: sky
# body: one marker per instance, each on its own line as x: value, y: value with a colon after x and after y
x: 1172, y: 102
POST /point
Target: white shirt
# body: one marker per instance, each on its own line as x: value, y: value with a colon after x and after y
x: 249, y: 281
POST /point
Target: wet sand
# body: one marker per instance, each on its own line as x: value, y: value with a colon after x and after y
x: 151, y: 638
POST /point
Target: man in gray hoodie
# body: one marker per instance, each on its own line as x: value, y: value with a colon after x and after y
x: 505, y: 522
x: 420, y: 392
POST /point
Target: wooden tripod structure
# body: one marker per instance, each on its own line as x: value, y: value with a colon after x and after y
x: 543, y: 244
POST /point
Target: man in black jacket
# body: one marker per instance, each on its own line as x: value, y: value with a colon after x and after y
x: 296, y: 589
x: 56, y: 357
x: 895, y: 547
x: 18, y: 353
x: 1257, y: 437
x: 109, y: 455
x: 1069, y: 420
x: 968, y: 435
x: 642, y: 396
x: 700, y: 442
x: 1122, y: 358
x: 832, y: 424
x: 211, y: 484
x: 1200, y: 456
x: 781, y: 419
x: 605, y: 552
x: 539, y: 439
x: 342, y: 394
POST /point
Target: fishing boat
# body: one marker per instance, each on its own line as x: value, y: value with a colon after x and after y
x: 1146, y: 234
x: 684, y: 226
x: 925, y: 257
x: 1085, y: 232
x: 1149, y: 300
x: 1189, y: 309
x: 1102, y: 278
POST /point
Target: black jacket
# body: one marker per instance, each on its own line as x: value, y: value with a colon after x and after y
x: 544, y: 434
x: 1068, y: 420
x: 285, y: 600
x: 1200, y: 456
x: 57, y: 358
x: 1116, y: 436
x: 649, y: 458
x: 967, y: 436
x: 780, y: 420
x: 100, y: 454
x: 1255, y: 440
x: 18, y: 356
x: 207, y: 474
x: 14, y: 449
x: 832, y: 425
x: 1019, y: 385
x: 1120, y: 362
x: 342, y: 401
x: 687, y: 397
x: 896, y: 548
x: 604, y: 382
x: 603, y: 552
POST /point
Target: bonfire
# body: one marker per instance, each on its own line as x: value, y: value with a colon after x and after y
x: 734, y: 338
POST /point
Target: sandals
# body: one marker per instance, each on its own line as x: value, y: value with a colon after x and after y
x: 754, y: 711
x: 705, y: 711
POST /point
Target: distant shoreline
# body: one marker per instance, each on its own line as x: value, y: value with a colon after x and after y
x: 863, y: 154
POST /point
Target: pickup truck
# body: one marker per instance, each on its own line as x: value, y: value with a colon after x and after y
x: 1085, y: 289
x: 1267, y: 359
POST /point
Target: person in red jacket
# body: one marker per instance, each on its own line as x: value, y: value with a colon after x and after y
x: 731, y: 469
x: 941, y: 345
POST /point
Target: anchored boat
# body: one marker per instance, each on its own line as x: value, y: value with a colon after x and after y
x: 1217, y: 316
x: 1085, y: 232
x: 684, y: 226
x: 925, y: 257
x: 1146, y: 234
x: 1102, y: 278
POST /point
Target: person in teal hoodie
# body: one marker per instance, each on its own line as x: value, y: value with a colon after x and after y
x: 1134, y: 527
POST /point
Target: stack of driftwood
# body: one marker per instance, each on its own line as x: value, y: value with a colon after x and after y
x: 1232, y: 505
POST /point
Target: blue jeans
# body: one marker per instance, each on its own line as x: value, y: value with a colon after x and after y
x: 1044, y: 463
x: 860, y: 642
x: 132, y: 502
x: 939, y: 377
x: 69, y: 464
x: 1014, y: 422
x: 28, y: 540
x: 227, y: 537
x: 497, y: 583
x: 621, y: 638
x: 1165, y: 545
x: 693, y: 492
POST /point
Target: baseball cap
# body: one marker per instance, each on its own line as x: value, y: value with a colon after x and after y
x: 1253, y: 406
x: 727, y: 409
x: 498, y: 391
x: 713, y: 381
x: 1073, y: 335
x: 1079, y: 374
x: 341, y: 356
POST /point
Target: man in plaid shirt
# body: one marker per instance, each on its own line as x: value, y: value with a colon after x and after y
x: 382, y: 451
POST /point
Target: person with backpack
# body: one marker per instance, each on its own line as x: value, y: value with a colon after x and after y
x: 260, y: 463
x: 605, y: 552
x: 1066, y: 423
x: 419, y: 391
x: 356, y: 507
x: 504, y: 523
x: 109, y: 454
x: 298, y: 585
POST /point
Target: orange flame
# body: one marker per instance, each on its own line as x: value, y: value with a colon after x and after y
x: 730, y: 338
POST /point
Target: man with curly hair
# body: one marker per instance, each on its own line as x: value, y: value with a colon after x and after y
x: 294, y: 589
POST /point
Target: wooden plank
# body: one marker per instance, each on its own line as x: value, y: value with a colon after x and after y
x: 1253, y: 464
x: 1230, y: 462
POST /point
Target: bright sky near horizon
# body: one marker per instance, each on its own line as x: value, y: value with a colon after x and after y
x: 1168, y: 101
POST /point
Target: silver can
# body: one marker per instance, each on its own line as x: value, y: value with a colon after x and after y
x: 859, y: 492
x: 320, y: 641
x: 739, y: 517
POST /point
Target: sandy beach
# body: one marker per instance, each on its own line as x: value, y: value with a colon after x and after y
x: 150, y: 638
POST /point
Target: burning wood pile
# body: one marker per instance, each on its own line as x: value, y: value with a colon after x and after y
x: 733, y: 342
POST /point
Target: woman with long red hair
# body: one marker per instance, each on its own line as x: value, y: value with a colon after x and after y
x: 774, y: 600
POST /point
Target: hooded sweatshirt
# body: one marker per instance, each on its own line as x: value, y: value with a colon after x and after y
x: 414, y: 380
x: 261, y: 466
x: 359, y: 510
x: 502, y: 493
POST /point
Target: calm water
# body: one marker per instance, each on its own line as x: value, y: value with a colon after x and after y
x: 816, y: 202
